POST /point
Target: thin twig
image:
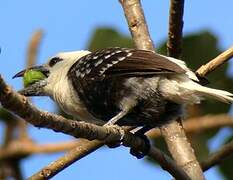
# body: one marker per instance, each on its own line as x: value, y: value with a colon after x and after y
x: 218, y: 156
x: 21, y: 149
x: 174, y: 42
x: 10, y: 169
x: 32, y: 53
x: 33, y: 48
x: 86, y: 147
x: 200, y: 124
x: 216, y: 62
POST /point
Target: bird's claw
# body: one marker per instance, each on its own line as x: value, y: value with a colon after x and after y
x: 141, y: 154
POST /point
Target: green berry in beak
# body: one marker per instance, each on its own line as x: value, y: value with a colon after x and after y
x: 31, y: 76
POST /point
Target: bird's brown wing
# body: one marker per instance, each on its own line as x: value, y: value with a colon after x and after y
x: 142, y: 63
x: 122, y: 62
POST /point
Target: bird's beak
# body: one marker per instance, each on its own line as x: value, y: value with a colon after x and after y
x: 36, y: 88
x: 42, y: 69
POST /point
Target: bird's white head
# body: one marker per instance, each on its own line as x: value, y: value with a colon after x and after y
x: 55, y: 71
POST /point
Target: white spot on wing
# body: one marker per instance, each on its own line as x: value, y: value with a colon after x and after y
x: 121, y: 58
x: 115, y: 62
x: 87, y: 65
x: 98, y: 62
x: 109, y: 65
x: 107, y: 56
x: 77, y: 73
x: 82, y: 75
x: 88, y: 71
x: 103, y: 70
x: 113, y: 53
x: 82, y: 69
x: 129, y: 54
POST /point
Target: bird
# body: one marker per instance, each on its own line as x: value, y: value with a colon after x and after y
x: 123, y: 86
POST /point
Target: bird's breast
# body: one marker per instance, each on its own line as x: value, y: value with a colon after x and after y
x: 69, y: 102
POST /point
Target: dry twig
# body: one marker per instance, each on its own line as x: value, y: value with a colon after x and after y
x: 174, y: 43
x: 216, y: 62
x: 218, y: 156
x: 32, y: 53
x: 14, y: 124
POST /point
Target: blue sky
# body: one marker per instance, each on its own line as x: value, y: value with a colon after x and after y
x: 68, y: 26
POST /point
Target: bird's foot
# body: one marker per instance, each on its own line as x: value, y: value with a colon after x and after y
x: 141, y: 154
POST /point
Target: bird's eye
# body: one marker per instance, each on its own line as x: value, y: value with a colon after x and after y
x: 54, y: 60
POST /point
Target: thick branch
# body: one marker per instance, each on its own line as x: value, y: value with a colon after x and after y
x: 181, y: 149
x: 216, y: 62
x: 137, y: 24
x: 218, y: 156
x: 192, y: 125
x: 174, y: 129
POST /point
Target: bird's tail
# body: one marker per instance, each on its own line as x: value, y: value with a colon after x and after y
x: 220, y: 95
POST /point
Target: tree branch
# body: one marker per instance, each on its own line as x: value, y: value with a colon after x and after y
x: 216, y: 62
x: 18, y: 148
x: 173, y: 131
x: 33, y: 48
x: 137, y: 24
x: 218, y: 156
x: 10, y: 169
x: 192, y: 125
x: 86, y: 147
x: 200, y: 124
x: 32, y: 53
x: 83, y: 148
x: 175, y: 28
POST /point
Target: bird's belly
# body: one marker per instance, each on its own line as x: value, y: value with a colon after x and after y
x: 150, y: 107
